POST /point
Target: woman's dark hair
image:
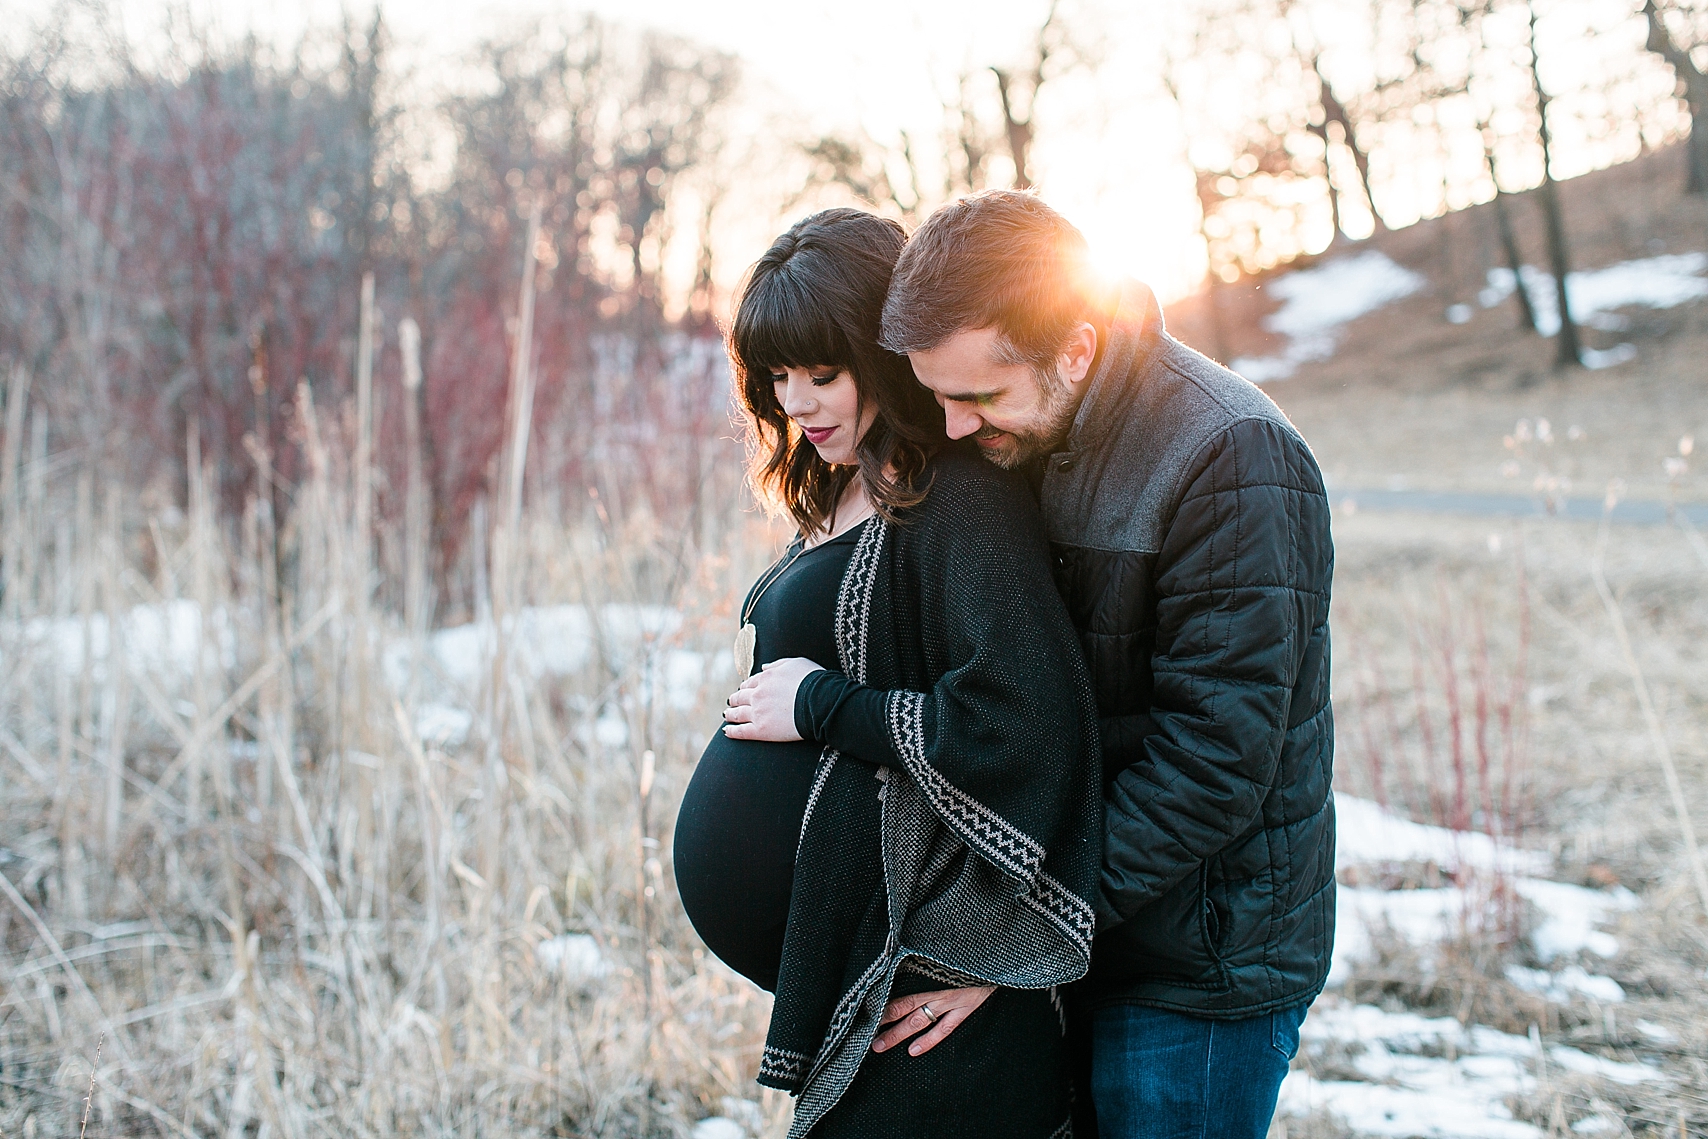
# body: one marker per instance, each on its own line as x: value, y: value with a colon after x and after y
x: 814, y: 301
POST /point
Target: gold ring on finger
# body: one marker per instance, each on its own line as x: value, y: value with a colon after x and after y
x: 929, y: 1015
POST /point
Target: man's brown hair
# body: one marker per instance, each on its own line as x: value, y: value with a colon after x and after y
x: 999, y: 259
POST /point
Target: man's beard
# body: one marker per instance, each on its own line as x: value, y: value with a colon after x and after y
x: 1041, y: 433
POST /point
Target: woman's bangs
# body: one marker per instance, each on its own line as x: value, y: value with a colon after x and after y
x: 781, y: 324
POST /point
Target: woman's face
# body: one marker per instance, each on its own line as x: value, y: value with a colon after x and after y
x: 826, y: 405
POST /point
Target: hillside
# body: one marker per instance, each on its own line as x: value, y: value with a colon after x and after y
x: 1410, y: 400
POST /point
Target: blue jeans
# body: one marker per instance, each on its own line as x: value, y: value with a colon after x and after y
x: 1162, y: 1075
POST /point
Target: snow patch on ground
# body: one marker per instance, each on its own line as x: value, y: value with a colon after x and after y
x: 1561, y: 987
x: 1317, y: 302
x: 1370, y: 837
x: 1366, y: 833
x: 158, y: 641
x: 441, y: 725
x: 551, y: 640
x: 1402, y: 1074
x: 576, y: 957
x: 163, y: 643
x: 718, y: 1127
x: 1571, y: 915
x: 740, y: 1119
x: 1568, y: 916
x: 1595, y: 294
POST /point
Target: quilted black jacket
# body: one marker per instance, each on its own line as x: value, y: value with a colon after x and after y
x: 1190, y: 532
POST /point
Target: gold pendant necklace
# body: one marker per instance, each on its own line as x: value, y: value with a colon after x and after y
x: 747, y: 637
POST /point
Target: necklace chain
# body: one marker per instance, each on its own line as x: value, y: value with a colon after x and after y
x: 768, y: 581
x: 746, y: 637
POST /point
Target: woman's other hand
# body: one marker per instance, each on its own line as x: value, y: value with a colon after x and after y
x: 763, y: 708
x: 942, y: 1012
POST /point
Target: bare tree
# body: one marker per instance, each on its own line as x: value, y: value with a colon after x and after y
x: 968, y: 141
x: 662, y: 131
x: 1018, y: 90
x: 1568, y: 348
x: 860, y: 164
x: 1505, y: 233
x: 891, y: 175
x: 1246, y: 113
x: 1693, y: 85
x: 1330, y: 115
x: 1209, y: 195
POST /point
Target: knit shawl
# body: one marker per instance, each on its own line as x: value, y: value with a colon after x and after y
x: 988, y: 814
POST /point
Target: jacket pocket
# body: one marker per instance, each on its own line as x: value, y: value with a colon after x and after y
x: 1174, y: 940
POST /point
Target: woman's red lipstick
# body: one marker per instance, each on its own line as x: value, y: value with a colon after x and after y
x: 817, y: 435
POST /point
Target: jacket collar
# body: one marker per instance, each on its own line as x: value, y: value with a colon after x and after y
x: 1135, y: 339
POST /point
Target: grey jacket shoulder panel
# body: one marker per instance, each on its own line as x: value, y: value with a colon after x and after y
x: 1153, y: 407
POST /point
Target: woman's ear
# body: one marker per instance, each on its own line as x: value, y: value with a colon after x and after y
x: 1074, y: 363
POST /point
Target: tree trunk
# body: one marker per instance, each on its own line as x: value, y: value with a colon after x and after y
x: 1334, y: 111
x: 1514, y: 262
x: 1568, y: 351
x: 1328, y: 180
x: 1018, y: 133
x: 1019, y: 130
x: 1508, y: 238
x: 1697, y: 182
x: 1568, y: 348
x: 1695, y: 84
x: 1218, y: 328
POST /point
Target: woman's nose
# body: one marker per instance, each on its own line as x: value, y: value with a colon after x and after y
x: 798, y: 399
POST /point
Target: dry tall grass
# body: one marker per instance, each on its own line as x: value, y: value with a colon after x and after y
x: 276, y: 862
x: 1577, y: 655
x: 248, y: 897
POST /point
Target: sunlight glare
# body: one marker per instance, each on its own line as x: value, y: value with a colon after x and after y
x: 1139, y: 235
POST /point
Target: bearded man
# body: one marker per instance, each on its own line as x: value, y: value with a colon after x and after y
x: 1190, y: 531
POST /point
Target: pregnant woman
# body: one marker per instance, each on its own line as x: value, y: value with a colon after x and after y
x: 922, y: 813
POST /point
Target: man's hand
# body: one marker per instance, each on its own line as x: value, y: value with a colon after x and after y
x: 763, y: 708
x: 941, y: 1012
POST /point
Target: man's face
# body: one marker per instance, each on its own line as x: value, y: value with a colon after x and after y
x: 1009, y: 410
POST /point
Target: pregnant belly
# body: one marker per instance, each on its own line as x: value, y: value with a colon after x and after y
x: 734, y: 850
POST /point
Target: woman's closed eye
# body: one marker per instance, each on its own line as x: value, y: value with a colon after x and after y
x: 818, y: 380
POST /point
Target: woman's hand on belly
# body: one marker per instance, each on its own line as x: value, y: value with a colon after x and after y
x: 763, y: 708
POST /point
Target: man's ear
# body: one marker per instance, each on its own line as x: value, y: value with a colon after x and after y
x: 1075, y: 360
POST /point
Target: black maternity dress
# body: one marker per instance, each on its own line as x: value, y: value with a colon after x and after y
x: 956, y: 675
x: 740, y: 819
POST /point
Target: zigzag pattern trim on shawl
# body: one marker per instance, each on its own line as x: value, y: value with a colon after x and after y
x: 1007, y: 847
x: 1069, y: 912
x: 1065, y: 1131
x: 826, y: 760
x: 782, y: 1065
x: 942, y: 974
x: 854, y: 600
x: 849, y: 1007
